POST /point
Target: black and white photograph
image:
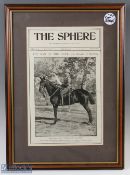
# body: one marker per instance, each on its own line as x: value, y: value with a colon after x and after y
x: 65, y: 96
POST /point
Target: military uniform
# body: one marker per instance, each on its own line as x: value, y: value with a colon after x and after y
x: 66, y: 85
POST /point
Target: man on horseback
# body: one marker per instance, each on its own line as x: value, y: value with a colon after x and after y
x: 66, y: 85
x: 77, y: 96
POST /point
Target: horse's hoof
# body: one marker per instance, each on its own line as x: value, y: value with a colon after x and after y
x: 90, y: 123
x: 84, y: 123
x: 54, y: 122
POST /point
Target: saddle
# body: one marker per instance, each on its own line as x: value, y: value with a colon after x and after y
x: 64, y: 92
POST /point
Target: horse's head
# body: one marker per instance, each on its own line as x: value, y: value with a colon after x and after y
x: 45, y: 83
x: 42, y: 83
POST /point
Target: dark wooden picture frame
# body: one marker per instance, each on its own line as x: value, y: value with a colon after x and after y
x: 16, y: 107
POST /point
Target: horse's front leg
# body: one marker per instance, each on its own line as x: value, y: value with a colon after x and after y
x: 55, y: 113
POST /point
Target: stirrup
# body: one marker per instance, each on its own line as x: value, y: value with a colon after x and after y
x: 62, y: 101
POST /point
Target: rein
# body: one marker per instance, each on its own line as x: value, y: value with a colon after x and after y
x: 54, y: 92
x: 53, y: 86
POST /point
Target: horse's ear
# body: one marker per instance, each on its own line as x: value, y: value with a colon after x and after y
x: 42, y: 77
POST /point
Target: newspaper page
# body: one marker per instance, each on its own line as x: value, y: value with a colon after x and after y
x: 65, y: 85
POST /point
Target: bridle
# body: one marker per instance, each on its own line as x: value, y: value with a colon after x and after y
x: 53, y: 86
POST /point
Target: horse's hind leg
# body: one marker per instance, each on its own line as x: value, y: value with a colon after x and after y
x: 55, y: 113
x: 89, y: 113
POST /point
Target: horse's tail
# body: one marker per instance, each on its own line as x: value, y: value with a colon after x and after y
x: 91, y: 99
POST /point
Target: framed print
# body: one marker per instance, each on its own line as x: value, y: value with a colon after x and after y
x: 64, y: 85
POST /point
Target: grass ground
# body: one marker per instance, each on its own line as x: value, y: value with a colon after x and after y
x: 71, y: 122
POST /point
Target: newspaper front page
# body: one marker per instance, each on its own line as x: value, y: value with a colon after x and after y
x: 65, y: 85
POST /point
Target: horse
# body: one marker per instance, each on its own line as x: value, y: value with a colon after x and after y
x: 75, y: 96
